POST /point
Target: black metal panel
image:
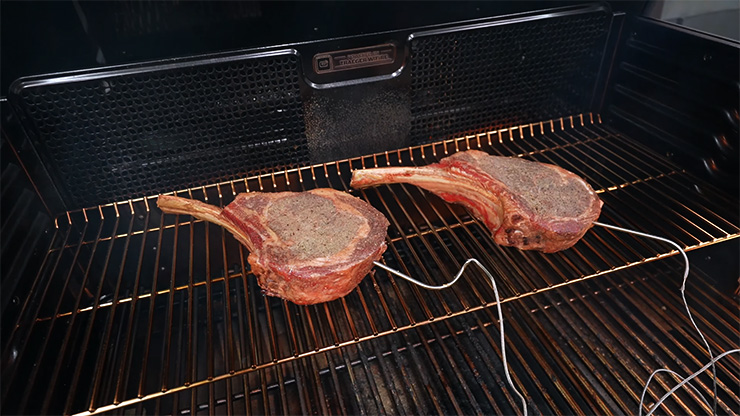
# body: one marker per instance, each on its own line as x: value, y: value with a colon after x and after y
x: 26, y: 235
x: 678, y: 91
x: 505, y: 73
x: 127, y: 133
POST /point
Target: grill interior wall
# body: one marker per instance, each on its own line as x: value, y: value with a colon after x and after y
x: 126, y: 132
x: 129, y: 303
x: 677, y: 92
x: 25, y: 227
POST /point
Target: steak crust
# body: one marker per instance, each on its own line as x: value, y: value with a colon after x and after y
x: 525, y: 204
x: 305, y: 247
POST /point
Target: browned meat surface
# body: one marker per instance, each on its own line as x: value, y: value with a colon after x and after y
x: 525, y: 204
x: 306, y: 247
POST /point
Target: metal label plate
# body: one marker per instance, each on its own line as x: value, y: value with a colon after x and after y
x: 369, y: 56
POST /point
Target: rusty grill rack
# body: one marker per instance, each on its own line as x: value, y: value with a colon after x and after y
x: 132, y: 309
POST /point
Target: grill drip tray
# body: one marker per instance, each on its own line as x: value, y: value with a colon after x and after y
x: 137, y: 311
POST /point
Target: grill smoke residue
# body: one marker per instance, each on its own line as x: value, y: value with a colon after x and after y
x: 356, y: 120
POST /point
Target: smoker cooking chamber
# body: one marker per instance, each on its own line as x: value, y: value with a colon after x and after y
x: 131, y: 311
x: 167, y: 304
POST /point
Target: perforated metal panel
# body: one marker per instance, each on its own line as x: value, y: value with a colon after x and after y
x: 129, y: 133
x: 470, y: 81
x: 110, y: 135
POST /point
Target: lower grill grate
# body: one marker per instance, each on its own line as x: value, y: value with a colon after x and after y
x: 132, y: 307
x: 586, y: 348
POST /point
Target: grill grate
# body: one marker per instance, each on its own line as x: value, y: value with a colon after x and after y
x: 613, y: 332
x: 130, y: 304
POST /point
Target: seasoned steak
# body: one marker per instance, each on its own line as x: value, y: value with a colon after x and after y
x: 525, y: 204
x: 305, y: 247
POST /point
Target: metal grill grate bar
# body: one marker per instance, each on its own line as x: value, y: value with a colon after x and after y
x: 456, y: 366
x: 166, y: 311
